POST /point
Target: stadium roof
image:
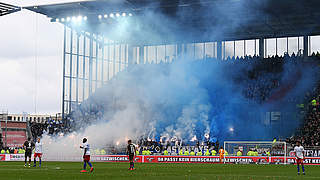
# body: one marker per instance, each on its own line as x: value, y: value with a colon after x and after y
x: 261, y: 18
x: 7, y: 9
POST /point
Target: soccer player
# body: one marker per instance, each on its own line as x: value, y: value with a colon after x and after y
x: 28, y: 147
x: 86, y: 155
x: 299, y: 152
x: 131, y: 150
x: 221, y: 154
x: 37, y: 153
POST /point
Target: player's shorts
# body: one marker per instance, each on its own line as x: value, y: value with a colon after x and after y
x: 39, y: 155
x: 86, y: 157
x: 299, y: 161
x: 131, y: 157
x: 27, y: 154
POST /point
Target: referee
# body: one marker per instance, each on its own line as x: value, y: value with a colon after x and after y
x: 28, y: 147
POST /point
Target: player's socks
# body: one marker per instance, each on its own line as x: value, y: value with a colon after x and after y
x: 90, y: 164
x: 91, y: 169
x: 298, y: 169
x: 302, y: 168
x: 84, y: 165
x: 40, y: 163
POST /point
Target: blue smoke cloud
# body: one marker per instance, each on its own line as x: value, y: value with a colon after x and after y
x: 187, y: 99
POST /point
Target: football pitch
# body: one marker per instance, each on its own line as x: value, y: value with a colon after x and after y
x: 115, y: 171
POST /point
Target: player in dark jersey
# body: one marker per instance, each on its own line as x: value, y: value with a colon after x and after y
x: 131, y: 151
x: 28, y: 147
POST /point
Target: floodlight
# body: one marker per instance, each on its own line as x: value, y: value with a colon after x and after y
x: 111, y: 15
x: 79, y: 18
x: 105, y: 16
x: 100, y: 16
x: 130, y: 14
x: 117, y: 14
x: 74, y: 18
x: 85, y: 18
x: 124, y: 14
x: 57, y: 20
x: 68, y: 19
x: 62, y: 19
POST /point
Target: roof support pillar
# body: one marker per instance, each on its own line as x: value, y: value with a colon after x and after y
x: 261, y: 48
x: 130, y: 55
x: 305, y: 46
x: 219, y: 50
x: 179, y: 50
x: 141, y: 54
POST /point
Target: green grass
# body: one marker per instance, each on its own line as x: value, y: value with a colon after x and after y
x: 71, y: 171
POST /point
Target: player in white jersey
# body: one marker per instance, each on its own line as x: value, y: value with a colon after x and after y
x: 299, y: 153
x: 37, y: 153
x: 86, y: 155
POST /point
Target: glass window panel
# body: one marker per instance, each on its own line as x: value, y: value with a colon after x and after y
x: 123, y: 53
x: 282, y: 46
x: 87, y: 68
x: 111, y: 70
x: 74, y: 66
x: 152, y: 54
x: 67, y: 65
x: 229, y: 49
x: 80, y: 91
x: 293, y: 45
x: 135, y: 55
x: 68, y: 40
x: 239, y: 51
x: 209, y: 50
x: 314, y: 44
x: 81, y: 39
x: 93, y: 86
x: 171, y: 52
x: 250, y: 47
x: 271, y: 47
x: 117, y: 67
x: 87, y: 51
x: 94, y: 49
x: 94, y: 69
x: 67, y: 88
x: 190, y: 51
x: 74, y: 90
x: 161, y: 53
x: 199, y: 50
x: 99, y: 69
x: 74, y: 42
x: 80, y: 67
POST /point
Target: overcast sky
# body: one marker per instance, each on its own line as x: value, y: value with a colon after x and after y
x: 31, y: 51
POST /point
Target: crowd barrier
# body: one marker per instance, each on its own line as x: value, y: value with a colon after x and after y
x: 178, y: 159
x: 206, y: 159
